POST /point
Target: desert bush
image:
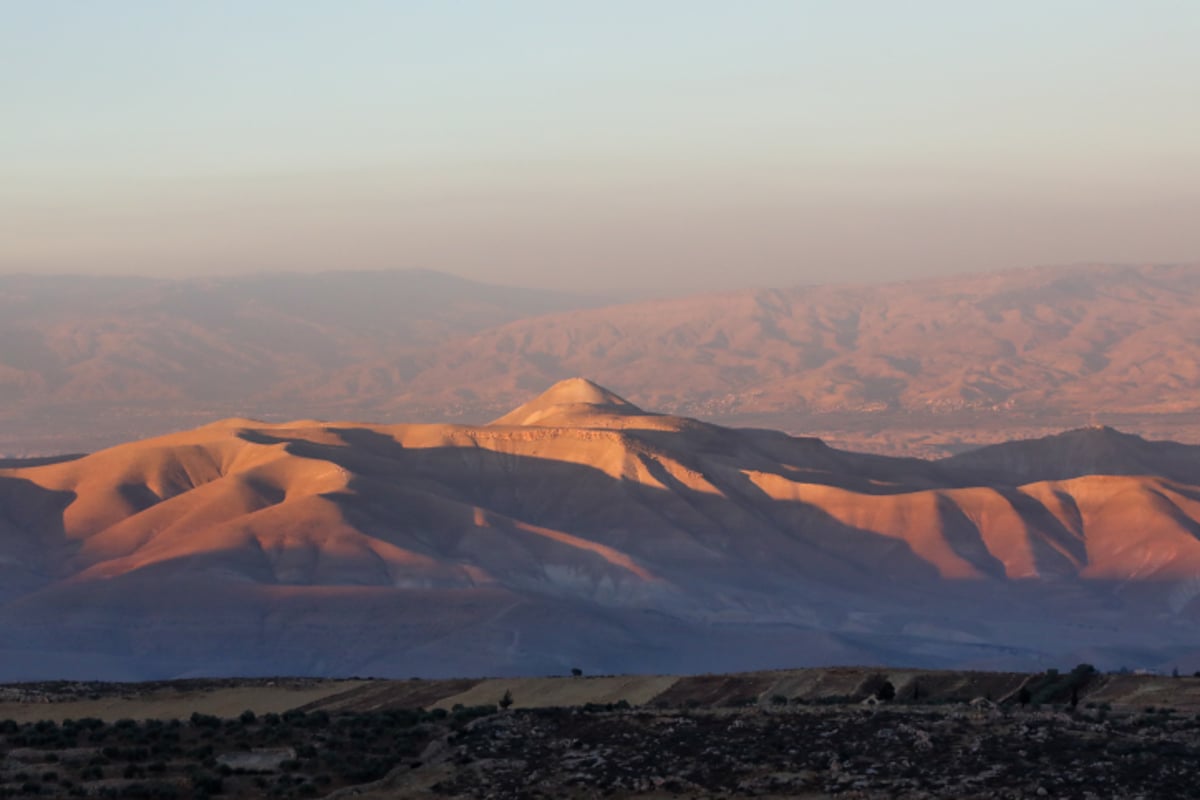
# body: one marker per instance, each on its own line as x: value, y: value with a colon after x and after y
x: 206, y: 721
x: 150, y: 791
x: 832, y: 700
x: 200, y: 753
x: 207, y: 783
x: 1052, y: 687
x: 469, y: 713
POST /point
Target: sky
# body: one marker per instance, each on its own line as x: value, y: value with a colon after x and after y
x: 665, y: 144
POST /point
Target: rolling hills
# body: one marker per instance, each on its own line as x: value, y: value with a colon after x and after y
x: 924, y: 367
x: 580, y: 530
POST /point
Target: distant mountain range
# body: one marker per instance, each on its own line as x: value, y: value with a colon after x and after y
x: 581, y: 531
x: 923, y: 366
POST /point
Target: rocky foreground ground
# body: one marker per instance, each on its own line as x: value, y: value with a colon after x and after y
x: 830, y: 751
x: 835, y: 751
x: 1049, y: 735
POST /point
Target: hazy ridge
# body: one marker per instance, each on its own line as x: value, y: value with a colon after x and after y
x: 914, y: 366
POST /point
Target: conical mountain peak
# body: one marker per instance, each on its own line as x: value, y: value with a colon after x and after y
x: 574, y: 391
x: 570, y: 398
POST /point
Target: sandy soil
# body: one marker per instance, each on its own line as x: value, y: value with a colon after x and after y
x: 549, y: 692
x: 168, y: 704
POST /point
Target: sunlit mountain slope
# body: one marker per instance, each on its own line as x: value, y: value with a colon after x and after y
x: 580, y: 530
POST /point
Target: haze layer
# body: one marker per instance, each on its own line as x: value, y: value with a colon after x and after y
x: 920, y: 367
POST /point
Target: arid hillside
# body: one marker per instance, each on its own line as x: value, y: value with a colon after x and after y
x: 924, y: 367
x: 580, y: 530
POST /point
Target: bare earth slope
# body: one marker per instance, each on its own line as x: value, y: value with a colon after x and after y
x: 920, y: 367
x: 582, y: 531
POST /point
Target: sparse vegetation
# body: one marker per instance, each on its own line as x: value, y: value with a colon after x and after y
x: 781, y: 733
x: 155, y: 759
x: 1051, y: 687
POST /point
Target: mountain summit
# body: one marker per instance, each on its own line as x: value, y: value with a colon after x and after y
x: 570, y: 402
x: 585, y: 531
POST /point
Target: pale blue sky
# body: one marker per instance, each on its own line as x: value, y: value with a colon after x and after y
x: 612, y: 143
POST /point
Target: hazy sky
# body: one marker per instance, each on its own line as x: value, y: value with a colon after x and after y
x: 576, y: 144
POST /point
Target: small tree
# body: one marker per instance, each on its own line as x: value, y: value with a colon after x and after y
x: 506, y: 700
x: 576, y: 672
x: 886, y: 691
x: 1023, y: 696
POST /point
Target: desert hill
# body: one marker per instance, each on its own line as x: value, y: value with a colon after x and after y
x: 1097, y: 450
x: 922, y: 367
x: 579, y: 530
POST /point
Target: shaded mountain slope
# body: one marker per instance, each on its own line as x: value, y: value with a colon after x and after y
x: 581, y: 530
x: 1098, y: 450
